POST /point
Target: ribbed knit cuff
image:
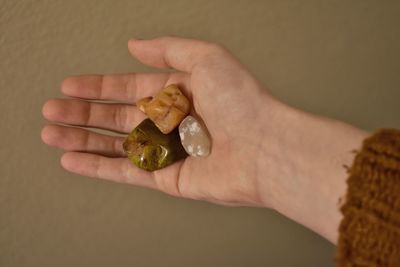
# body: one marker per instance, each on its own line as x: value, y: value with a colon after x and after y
x: 369, y: 234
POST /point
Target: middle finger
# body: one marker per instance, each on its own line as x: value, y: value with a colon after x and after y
x: 116, y: 117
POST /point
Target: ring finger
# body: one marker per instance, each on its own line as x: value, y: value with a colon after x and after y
x: 116, y: 117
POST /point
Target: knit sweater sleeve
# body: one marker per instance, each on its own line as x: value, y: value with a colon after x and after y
x: 369, y: 234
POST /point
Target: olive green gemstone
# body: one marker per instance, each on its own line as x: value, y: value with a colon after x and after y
x: 149, y: 149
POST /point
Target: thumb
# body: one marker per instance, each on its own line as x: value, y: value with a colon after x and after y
x: 172, y: 52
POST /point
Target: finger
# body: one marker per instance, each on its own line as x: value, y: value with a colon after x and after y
x: 167, y: 179
x: 171, y: 52
x: 75, y: 139
x: 113, y: 169
x: 117, y: 117
x: 126, y: 88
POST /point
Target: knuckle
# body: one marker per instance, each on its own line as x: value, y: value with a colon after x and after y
x: 165, y: 39
x: 102, y: 86
x: 88, y: 113
x: 126, y: 172
x: 159, y: 183
x: 121, y: 117
x: 97, y: 168
x: 132, y: 82
x: 214, y: 52
x: 216, y: 48
x: 116, y: 145
x: 86, y: 140
x: 166, y: 185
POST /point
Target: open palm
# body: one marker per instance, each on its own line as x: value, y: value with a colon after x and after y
x: 224, y: 95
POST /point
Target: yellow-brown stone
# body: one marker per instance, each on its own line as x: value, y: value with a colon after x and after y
x: 167, y: 109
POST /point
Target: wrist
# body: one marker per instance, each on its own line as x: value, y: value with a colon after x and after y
x: 301, y: 171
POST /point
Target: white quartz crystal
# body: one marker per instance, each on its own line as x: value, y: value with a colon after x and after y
x: 194, y: 137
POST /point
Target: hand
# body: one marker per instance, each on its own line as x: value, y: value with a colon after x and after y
x: 264, y: 153
x: 223, y: 94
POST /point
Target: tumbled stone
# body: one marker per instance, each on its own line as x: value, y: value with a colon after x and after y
x: 149, y: 149
x: 194, y: 137
x: 143, y: 102
x: 167, y: 109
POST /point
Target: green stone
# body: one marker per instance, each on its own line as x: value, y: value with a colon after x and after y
x: 149, y: 149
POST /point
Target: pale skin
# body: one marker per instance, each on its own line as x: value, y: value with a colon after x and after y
x: 264, y: 152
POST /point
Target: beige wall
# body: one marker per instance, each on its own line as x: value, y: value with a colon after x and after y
x: 337, y: 58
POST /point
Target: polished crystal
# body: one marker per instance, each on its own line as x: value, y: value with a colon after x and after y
x: 194, y: 137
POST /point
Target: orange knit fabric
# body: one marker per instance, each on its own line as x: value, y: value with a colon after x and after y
x: 369, y: 234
